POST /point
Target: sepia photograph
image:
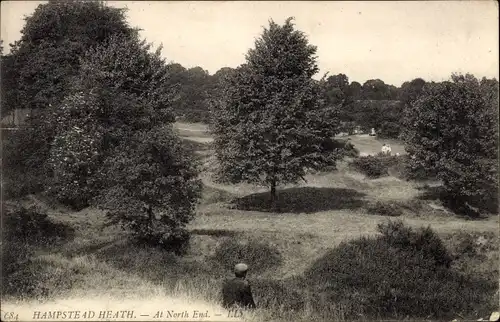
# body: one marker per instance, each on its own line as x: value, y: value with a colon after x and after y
x: 249, y: 161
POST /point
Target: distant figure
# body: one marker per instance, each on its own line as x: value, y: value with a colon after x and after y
x: 237, y: 290
x: 373, y: 132
x: 386, y: 149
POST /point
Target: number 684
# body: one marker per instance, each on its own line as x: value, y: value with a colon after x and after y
x: 9, y: 316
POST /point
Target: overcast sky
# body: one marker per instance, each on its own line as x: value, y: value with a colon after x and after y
x: 393, y: 41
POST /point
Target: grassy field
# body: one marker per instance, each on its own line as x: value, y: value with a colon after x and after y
x: 317, y: 215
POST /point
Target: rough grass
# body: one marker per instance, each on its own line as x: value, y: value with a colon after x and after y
x: 403, y: 273
x: 100, y: 268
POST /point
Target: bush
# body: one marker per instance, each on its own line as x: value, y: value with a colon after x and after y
x: 171, y: 239
x: 390, y: 130
x: 260, y: 256
x: 424, y: 241
x: 350, y: 150
x: 384, y: 209
x: 371, y: 166
x: 403, y: 273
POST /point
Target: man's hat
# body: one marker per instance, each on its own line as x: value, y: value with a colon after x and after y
x: 240, y: 268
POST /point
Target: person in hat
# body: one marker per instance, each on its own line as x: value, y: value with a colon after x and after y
x: 237, y: 291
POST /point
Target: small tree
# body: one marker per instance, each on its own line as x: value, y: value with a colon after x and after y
x: 152, y: 188
x: 270, y: 124
x: 452, y: 130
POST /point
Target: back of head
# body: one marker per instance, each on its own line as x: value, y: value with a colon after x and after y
x: 240, y: 270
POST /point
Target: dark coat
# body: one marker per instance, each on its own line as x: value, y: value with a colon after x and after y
x: 237, y: 292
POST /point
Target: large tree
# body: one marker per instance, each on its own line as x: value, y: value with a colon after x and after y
x: 270, y: 124
x: 115, y: 145
x: 452, y: 131
x: 122, y: 89
x: 42, y: 67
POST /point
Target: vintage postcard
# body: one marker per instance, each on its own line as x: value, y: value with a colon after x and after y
x: 249, y: 160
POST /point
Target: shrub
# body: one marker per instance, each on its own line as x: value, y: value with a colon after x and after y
x: 403, y: 273
x: 384, y: 209
x: 173, y: 239
x: 370, y: 166
x: 424, y: 241
x: 350, y: 150
x: 260, y: 256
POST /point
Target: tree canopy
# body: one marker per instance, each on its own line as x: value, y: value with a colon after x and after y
x: 52, y: 40
x: 452, y: 130
x: 271, y: 123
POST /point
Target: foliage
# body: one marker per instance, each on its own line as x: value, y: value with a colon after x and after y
x: 114, y: 126
x: 411, y: 91
x: 195, y: 94
x: 376, y: 89
x: 25, y: 153
x: 111, y: 99
x: 399, y: 274
x: 75, y: 152
x: 371, y: 166
x: 41, y: 70
x: 382, y: 115
x: 152, y: 188
x: 270, y: 124
x: 52, y: 40
x: 452, y: 130
x: 16, y: 182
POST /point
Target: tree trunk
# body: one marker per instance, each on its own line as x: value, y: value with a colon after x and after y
x: 150, y: 215
x: 273, y: 195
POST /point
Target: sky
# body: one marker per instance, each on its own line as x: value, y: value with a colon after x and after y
x: 393, y: 41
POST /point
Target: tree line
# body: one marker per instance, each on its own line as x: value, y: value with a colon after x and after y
x: 105, y: 101
x: 373, y: 104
